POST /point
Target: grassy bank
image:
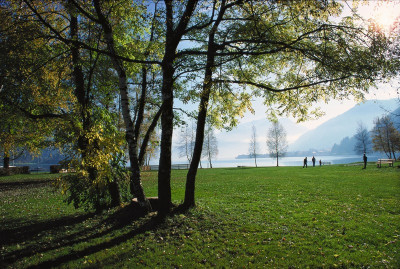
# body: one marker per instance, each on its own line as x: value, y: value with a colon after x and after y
x: 266, y: 217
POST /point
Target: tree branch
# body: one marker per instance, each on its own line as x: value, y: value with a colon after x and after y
x: 268, y: 88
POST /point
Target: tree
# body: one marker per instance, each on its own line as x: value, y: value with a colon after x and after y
x: 207, y: 84
x: 362, y: 136
x: 74, y: 88
x: 276, y: 141
x: 132, y: 128
x: 253, y: 147
x: 186, y: 142
x: 210, y: 146
x: 385, y: 137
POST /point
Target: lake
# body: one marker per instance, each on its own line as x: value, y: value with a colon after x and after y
x: 289, y: 161
x: 285, y: 161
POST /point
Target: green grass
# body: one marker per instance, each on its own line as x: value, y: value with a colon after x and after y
x: 331, y: 216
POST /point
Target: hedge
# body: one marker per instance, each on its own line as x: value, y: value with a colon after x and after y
x: 14, y: 170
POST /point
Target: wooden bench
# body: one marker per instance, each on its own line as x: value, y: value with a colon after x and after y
x: 383, y: 161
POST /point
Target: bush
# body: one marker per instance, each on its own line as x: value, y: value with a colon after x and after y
x: 14, y: 171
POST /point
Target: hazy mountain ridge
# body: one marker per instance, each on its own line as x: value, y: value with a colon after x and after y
x: 333, y: 131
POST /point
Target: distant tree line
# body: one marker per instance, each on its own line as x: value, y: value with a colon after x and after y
x: 384, y: 137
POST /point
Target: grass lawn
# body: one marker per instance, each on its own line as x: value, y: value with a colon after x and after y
x: 330, y: 216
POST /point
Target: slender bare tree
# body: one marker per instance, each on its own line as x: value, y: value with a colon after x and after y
x: 363, y: 139
x: 210, y: 145
x: 276, y: 141
x: 186, y: 142
x: 254, y: 148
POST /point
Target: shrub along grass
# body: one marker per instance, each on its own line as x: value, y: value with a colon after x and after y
x: 245, y: 217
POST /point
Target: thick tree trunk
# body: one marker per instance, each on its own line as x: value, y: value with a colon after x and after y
x: 164, y: 172
x: 173, y: 37
x: 113, y: 190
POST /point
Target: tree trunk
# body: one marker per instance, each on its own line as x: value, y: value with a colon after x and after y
x: 6, y: 161
x: 147, y: 135
x: 113, y: 190
x: 173, y: 38
x: 277, y: 162
x: 81, y: 95
x: 164, y: 172
x: 202, y: 115
x: 135, y: 180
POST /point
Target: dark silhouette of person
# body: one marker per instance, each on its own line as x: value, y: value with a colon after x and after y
x: 320, y: 163
x: 305, y: 162
x: 365, y: 161
x: 313, y: 161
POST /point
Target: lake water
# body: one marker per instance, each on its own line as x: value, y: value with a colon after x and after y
x: 285, y: 161
x: 290, y: 161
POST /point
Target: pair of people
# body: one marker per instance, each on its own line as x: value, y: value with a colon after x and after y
x: 313, y: 162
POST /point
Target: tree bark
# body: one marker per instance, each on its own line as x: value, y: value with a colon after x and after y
x: 173, y: 37
x: 167, y: 116
x: 6, y: 161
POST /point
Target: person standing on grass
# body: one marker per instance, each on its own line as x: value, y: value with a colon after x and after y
x: 313, y: 161
x: 365, y: 161
x: 320, y: 162
x: 305, y: 162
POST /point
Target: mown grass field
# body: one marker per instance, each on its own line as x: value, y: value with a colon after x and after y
x: 286, y: 217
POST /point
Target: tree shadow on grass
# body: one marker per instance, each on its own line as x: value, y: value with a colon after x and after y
x: 151, y: 224
x: 119, y: 219
x: 7, y: 186
x: 28, y: 232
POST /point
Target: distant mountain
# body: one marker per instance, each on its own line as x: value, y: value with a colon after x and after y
x: 346, y: 146
x: 396, y: 117
x: 334, y: 130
